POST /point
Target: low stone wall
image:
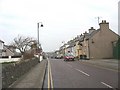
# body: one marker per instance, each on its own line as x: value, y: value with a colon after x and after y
x: 11, y: 72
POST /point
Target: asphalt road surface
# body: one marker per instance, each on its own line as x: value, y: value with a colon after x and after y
x: 75, y: 74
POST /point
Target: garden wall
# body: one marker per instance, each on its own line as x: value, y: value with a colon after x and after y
x: 12, y: 71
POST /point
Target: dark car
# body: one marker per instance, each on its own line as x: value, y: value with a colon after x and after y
x: 68, y: 57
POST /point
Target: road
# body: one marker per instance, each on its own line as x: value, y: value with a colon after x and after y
x: 76, y: 74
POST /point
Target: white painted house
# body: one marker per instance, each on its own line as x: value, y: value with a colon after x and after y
x: 6, y: 50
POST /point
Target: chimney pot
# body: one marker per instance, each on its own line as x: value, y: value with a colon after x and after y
x: 104, y: 25
x: 91, y: 30
x: 80, y: 35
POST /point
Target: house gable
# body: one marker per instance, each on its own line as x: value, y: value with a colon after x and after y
x: 7, y: 51
x: 100, y: 44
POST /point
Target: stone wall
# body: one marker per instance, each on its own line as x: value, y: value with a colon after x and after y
x: 11, y: 72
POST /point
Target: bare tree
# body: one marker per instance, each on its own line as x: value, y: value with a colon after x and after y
x: 22, y: 43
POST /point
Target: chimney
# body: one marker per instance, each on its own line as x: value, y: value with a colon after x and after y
x: 85, y: 33
x: 104, y: 25
x: 91, y: 30
x: 81, y: 35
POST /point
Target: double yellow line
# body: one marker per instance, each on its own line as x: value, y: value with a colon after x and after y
x: 50, y: 80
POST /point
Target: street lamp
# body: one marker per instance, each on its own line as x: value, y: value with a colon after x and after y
x: 38, y: 30
x: 38, y: 33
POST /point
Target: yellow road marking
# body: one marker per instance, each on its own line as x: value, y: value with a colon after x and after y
x: 48, y: 77
x: 51, y: 77
x: 50, y: 80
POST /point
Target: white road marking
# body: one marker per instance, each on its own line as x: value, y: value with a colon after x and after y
x: 106, y: 85
x: 83, y: 72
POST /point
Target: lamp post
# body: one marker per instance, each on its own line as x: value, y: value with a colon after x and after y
x: 38, y: 30
x: 38, y: 36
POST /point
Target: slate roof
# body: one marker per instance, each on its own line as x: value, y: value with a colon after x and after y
x: 86, y: 36
x: 71, y: 43
x: 92, y: 34
x: 1, y: 41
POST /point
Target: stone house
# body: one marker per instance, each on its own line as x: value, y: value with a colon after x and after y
x: 98, y: 43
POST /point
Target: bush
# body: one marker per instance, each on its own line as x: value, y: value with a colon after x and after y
x: 28, y: 56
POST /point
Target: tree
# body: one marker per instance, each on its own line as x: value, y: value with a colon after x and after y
x: 23, y: 43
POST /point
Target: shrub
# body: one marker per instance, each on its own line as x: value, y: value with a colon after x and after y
x: 28, y: 56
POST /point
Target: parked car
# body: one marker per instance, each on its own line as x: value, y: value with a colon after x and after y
x: 69, y: 57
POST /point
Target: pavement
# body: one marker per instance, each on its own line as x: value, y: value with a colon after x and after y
x: 33, y: 78
x: 112, y: 64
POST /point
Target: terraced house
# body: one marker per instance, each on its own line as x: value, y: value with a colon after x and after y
x: 94, y: 44
x: 98, y: 43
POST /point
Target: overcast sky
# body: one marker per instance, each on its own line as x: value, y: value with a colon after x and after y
x: 62, y: 19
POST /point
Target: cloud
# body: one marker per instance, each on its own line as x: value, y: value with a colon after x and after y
x: 62, y: 19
